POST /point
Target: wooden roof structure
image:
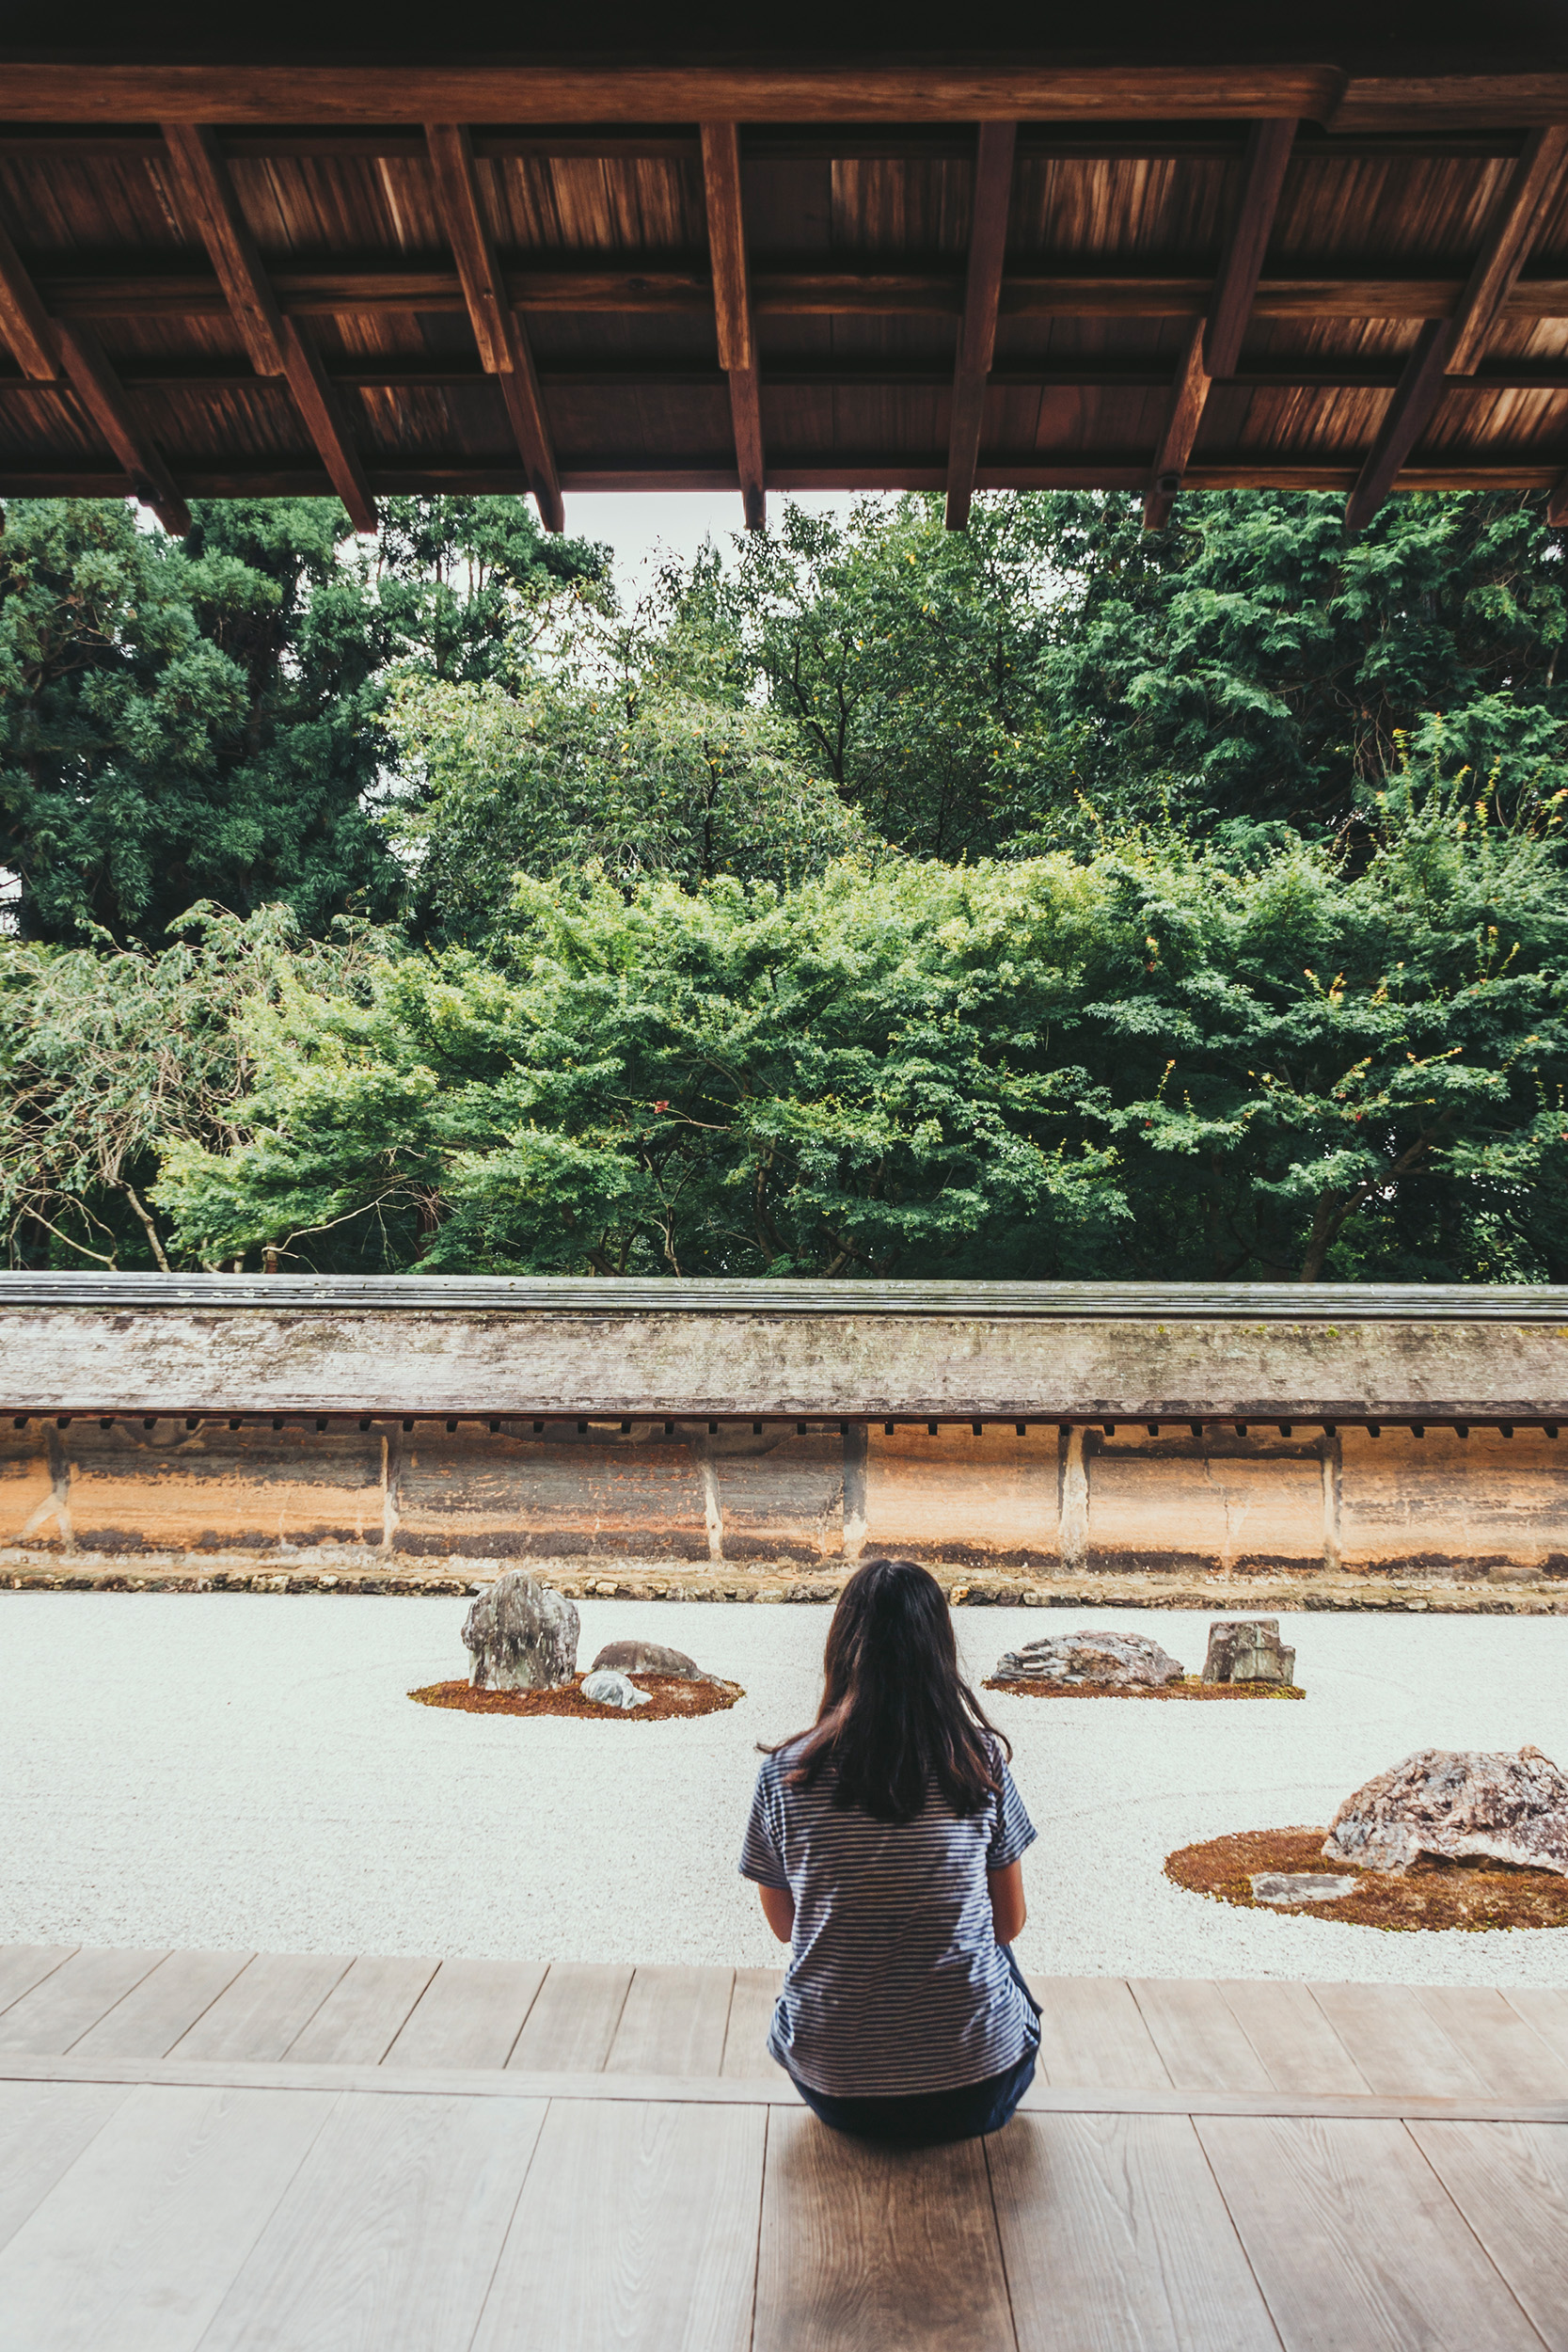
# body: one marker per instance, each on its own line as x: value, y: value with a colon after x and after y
x: 1178, y: 261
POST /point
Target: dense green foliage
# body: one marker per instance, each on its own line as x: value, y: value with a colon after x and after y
x: 202, y: 719
x: 1052, y: 899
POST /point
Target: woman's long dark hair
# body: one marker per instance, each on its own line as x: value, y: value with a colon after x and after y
x: 895, y: 1712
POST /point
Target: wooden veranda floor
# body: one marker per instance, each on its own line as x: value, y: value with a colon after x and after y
x: 292, y: 2153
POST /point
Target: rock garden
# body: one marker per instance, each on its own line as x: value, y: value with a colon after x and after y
x: 1448, y: 1838
x: 1246, y: 1660
x: 240, y: 1771
x: 522, y: 1640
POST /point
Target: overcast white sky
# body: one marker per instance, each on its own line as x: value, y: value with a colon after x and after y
x: 642, y: 526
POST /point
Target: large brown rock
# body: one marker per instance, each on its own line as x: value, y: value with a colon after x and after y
x: 1461, y: 1804
x: 1248, y: 1650
x: 649, y: 1658
x: 522, y: 1635
x: 1073, y: 1658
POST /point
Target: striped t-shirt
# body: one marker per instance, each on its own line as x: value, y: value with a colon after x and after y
x: 896, y: 1983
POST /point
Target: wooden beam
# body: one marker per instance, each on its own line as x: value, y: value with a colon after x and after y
x: 368, y: 91
x: 44, y: 346
x: 732, y: 304
x: 988, y: 247
x: 24, y: 322
x: 275, y: 345
x: 503, y: 346
x: 242, y: 476
x: 1548, y: 377
x: 105, y: 398
x: 1216, y: 348
x: 669, y: 286
x: 1457, y: 345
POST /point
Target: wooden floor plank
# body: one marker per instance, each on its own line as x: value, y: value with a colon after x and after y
x: 360, y: 2018
x: 1116, y: 2235
x: 1510, y: 2183
x: 43, y: 2129
x: 135, y: 2248
x: 1198, y: 2036
x: 1092, y: 2032
x: 470, y: 2015
x: 23, y: 1966
x: 673, y: 2023
x: 72, y: 1998
x: 388, y: 2236
x: 1355, y: 2242
x: 751, y: 2017
x: 1510, y: 2056
x: 868, y: 2250
x: 150, y: 2019
x: 265, y: 2009
x: 572, y: 2021
x: 1395, y: 2040
x: 637, y: 2228
x: 1545, y: 2011
x: 1299, y: 2048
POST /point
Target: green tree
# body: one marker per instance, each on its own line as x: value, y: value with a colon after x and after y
x: 182, y: 721
x: 107, y: 1057
x: 850, y: 1077
x: 1156, y: 1063
x: 470, y: 589
x: 911, y: 663
x: 1320, y: 1075
x: 634, y: 775
x: 1275, y: 666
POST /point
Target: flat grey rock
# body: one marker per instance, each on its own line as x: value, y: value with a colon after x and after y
x: 1460, y: 1804
x: 1248, y: 1650
x: 521, y: 1635
x: 650, y: 1657
x: 607, y: 1688
x: 1074, y: 1658
x: 1299, y: 1886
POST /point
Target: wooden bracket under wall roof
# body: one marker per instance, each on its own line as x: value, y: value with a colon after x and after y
x: 1457, y: 345
x: 732, y: 304
x: 503, y: 346
x: 275, y: 343
x: 988, y: 247
x: 46, y: 345
x: 1214, y: 347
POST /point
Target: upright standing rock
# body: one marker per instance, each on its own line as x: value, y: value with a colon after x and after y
x: 1248, y: 1650
x: 523, y: 1636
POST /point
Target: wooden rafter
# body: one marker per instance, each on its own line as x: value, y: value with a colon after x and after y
x: 1456, y: 346
x: 1214, y: 348
x: 275, y: 345
x: 732, y: 303
x: 45, y: 346
x: 503, y: 346
x: 988, y: 246
x: 664, y: 285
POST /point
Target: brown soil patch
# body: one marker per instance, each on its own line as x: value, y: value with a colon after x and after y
x: 668, y: 1695
x: 1432, y: 1893
x: 1190, y: 1687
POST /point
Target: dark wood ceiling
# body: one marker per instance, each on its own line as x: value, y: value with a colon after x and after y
x: 281, y: 276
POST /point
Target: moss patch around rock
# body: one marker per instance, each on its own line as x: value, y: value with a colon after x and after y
x: 1432, y: 1895
x: 668, y: 1695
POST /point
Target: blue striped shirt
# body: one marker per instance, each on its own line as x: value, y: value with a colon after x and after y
x: 895, y: 1981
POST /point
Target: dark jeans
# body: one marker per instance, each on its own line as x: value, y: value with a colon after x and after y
x: 929, y: 2119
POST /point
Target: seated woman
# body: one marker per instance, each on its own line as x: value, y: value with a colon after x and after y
x: 886, y: 1844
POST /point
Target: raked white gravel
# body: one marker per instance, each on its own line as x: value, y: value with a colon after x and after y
x: 240, y: 1771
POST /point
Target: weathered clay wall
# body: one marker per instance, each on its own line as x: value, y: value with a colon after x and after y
x: 1119, y: 1431
x: 839, y: 1360
x: 1072, y: 1499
